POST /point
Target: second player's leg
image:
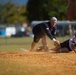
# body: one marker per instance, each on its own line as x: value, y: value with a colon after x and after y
x: 44, y: 43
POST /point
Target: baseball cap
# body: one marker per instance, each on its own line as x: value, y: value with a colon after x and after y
x: 53, y: 19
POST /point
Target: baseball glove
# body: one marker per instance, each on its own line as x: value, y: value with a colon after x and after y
x: 56, y: 43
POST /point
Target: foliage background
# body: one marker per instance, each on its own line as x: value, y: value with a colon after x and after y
x: 34, y: 10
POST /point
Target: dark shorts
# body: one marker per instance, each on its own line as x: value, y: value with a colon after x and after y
x: 65, y: 44
x: 37, y: 34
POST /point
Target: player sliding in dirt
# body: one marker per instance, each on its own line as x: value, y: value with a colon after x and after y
x: 41, y: 30
x: 67, y: 46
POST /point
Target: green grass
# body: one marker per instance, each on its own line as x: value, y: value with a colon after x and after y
x: 8, y: 40
x: 16, y: 44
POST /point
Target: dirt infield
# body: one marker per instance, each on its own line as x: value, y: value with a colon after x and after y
x: 51, y: 63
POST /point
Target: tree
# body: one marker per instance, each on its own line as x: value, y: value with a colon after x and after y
x: 0, y: 12
x: 44, y: 9
x: 71, y: 11
x: 11, y: 13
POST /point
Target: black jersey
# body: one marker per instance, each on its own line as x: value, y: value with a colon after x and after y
x: 44, y: 29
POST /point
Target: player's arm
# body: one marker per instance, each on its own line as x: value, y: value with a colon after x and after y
x: 73, y: 45
x: 48, y: 32
x: 51, y: 35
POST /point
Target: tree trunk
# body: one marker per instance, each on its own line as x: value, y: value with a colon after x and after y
x: 71, y: 10
x: 71, y: 13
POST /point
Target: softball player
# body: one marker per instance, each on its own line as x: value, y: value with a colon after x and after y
x: 67, y: 46
x: 43, y: 29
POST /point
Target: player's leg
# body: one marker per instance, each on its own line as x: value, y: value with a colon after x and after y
x: 63, y: 50
x: 45, y: 46
x: 35, y: 41
x: 33, y: 46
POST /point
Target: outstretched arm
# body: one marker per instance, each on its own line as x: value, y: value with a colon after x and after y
x: 73, y: 45
x: 51, y: 35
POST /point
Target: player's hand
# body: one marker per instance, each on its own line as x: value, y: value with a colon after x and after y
x: 73, y: 46
x: 56, y: 43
